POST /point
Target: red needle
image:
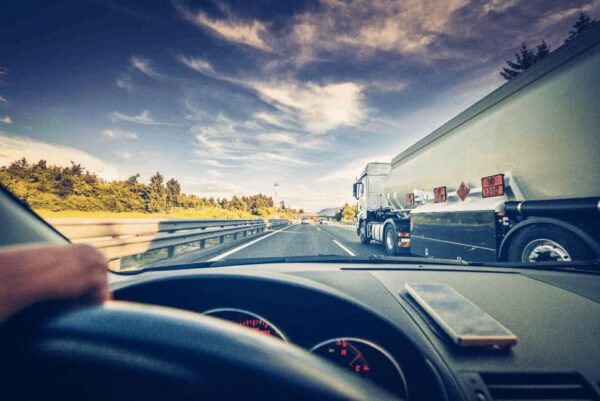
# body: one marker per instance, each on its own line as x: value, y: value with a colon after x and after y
x: 354, y: 360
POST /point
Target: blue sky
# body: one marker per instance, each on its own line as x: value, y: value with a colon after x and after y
x: 230, y: 97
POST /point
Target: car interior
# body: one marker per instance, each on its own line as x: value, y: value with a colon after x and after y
x: 334, y: 329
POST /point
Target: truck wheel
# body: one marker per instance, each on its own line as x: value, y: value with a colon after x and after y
x: 362, y: 233
x: 390, y: 240
x: 543, y: 243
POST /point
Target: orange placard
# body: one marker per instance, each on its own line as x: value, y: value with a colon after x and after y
x: 439, y: 195
x: 492, y: 186
x: 410, y: 199
x: 462, y: 191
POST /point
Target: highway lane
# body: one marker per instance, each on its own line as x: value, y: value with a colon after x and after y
x: 303, y: 240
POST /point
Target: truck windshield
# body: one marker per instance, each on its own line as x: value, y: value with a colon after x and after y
x: 170, y: 133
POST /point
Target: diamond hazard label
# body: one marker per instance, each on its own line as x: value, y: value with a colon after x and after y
x: 462, y: 191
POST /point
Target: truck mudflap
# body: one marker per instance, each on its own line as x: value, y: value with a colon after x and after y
x: 471, y: 235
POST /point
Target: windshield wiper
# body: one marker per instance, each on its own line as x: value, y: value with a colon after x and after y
x: 416, y: 260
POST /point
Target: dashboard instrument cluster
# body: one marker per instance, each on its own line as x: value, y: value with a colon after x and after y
x: 359, y: 356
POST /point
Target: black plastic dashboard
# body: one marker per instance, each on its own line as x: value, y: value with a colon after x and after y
x: 555, y: 314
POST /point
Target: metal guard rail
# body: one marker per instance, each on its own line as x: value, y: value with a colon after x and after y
x: 117, y: 238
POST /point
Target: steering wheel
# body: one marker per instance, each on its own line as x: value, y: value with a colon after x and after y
x: 127, y: 351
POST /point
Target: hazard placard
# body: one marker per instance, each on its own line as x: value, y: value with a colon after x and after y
x: 492, y: 186
x: 439, y: 195
x: 462, y: 191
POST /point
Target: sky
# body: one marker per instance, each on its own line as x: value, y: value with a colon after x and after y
x: 231, y: 97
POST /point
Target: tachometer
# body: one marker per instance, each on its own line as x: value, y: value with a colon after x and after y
x: 365, y: 359
x: 247, y: 319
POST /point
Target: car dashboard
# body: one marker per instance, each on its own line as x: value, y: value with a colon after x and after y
x: 361, y: 318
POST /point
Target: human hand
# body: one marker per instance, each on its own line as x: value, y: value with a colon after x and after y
x: 34, y: 273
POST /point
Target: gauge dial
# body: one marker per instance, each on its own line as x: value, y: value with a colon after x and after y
x: 248, y: 320
x: 365, y: 359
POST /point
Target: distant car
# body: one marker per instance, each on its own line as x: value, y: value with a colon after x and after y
x: 323, y: 221
x: 305, y: 221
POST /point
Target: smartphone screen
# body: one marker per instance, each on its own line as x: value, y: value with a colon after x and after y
x: 463, y: 321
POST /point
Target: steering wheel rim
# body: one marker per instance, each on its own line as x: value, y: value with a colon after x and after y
x: 122, y: 350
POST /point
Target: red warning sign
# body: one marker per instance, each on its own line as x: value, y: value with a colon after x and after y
x: 410, y: 199
x: 439, y: 195
x: 462, y: 191
x: 492, y: 186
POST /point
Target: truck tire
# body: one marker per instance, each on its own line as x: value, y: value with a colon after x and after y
x: 362, y: 233
x: 390, y: 240
x: 545, y: 242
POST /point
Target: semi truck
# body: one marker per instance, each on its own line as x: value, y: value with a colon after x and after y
x: 515, y: 177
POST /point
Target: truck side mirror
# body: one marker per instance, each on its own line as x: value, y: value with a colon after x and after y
x: 357, y: 189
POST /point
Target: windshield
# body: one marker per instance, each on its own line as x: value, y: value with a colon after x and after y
x: 177, y: 132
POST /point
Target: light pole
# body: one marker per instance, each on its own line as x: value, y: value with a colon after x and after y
x: 275, y: 198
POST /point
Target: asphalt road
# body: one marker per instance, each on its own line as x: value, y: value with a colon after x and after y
x: 303, y: 240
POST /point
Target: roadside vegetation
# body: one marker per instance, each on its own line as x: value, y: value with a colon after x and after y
x: 346, y: 214
x: 54, y: 191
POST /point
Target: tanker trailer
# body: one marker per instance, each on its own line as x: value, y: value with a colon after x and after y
x: 514, y: 177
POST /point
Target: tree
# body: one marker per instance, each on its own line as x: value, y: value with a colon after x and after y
x: 173, y: 191
x: 132, y: 180
x: 524, y: 59
x: 156, y: 194
x: 583, y: 23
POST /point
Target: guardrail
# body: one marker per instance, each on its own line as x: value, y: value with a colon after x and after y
x: 118, y: 238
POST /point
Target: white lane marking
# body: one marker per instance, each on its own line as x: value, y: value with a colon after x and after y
x: 239, y: 248
x: 345, y: 248
x: 318, y: 229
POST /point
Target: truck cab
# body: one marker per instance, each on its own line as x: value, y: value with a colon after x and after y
x: 376, y: 218
x: 368, y: 189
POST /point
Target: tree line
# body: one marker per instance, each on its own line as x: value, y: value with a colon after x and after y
x: 57, y: 188
x: 527, y: 57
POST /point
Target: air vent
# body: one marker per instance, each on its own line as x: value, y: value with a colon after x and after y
x: 537, y: 386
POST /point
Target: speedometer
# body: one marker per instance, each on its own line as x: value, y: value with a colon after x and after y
x: 247, y: 319
x: 365, y: 359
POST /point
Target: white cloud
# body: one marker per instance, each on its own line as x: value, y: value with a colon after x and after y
x: 316, y: 108
x: 250, y: 33
x: 3, y: 100
x: 16, y: 147
x: 349, y: 171
x: 198, y: 64
x: 6, y: 120
x: 321, y: 108
x: 212, y: 162
x: 3, y: 71
x: 118, y: 134
x: 144, y: 65
x: 360, y: 28
x: 142, y: 118
x: 124, y: 82
x: 292, y: 139
x: 499, y: 6
x: 124, y: 154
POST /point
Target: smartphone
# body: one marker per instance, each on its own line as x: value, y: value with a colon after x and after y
x: 463, y: 321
